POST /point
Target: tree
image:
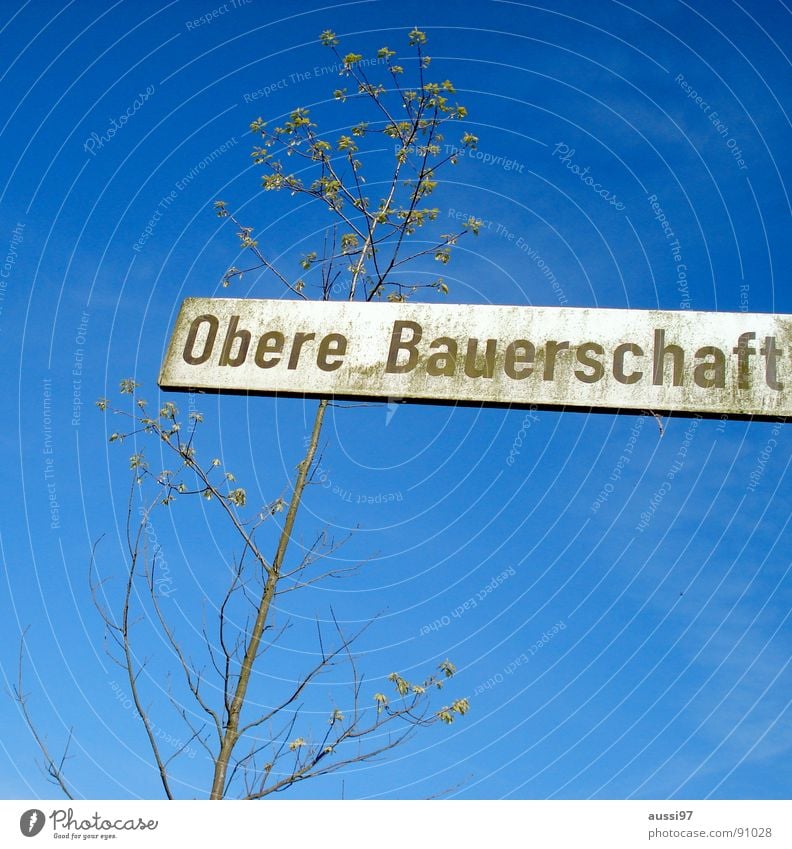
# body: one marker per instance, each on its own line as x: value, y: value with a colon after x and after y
x: 254, y: 750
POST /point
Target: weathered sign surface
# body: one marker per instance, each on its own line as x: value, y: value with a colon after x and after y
x: 738, y: 363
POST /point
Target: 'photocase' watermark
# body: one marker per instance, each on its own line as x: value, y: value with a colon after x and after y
x: 565, y: 155
x: 96, y: 142
x: 163, y: 583
x: 527, y: 424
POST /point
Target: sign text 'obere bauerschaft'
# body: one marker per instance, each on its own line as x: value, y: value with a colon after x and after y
x: 707, y: 362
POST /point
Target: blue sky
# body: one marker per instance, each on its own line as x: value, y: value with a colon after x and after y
x: 616, y: 656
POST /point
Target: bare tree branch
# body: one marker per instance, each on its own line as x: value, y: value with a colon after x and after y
x: 258, y: 748
x: 53, y: 768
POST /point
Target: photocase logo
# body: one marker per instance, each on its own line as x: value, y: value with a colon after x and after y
x: 31, y: 822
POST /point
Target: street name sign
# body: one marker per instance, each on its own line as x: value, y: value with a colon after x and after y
x: 682, y: 361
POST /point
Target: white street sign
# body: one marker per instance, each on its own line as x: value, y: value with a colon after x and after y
x: 706, y: 362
